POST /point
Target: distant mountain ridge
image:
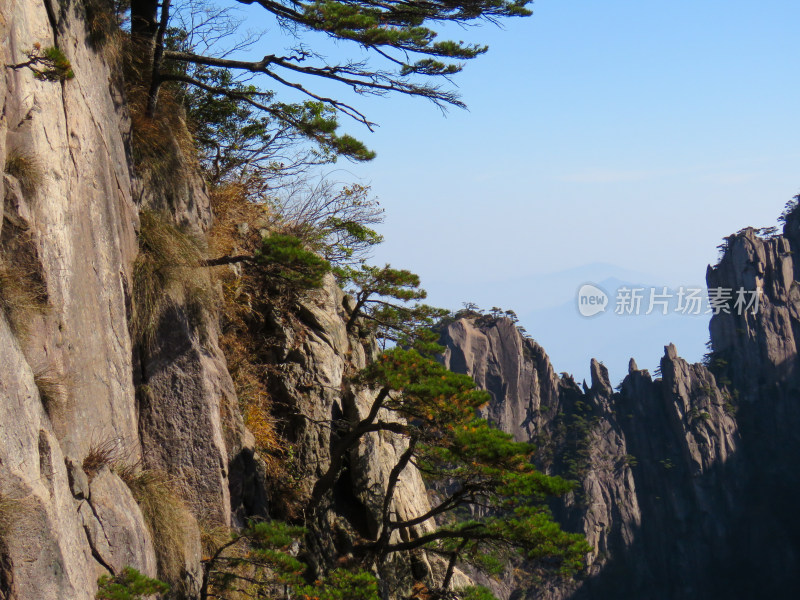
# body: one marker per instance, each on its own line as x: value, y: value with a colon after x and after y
x: 546, y: 307
x: 685, y: 481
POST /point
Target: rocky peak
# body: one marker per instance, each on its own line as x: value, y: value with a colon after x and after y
x: 506, y: 364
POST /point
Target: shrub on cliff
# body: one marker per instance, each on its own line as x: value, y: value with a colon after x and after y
x: 47, y: 64
x: 335, y: 221
x: 475, y: 592
x: 288, y: 261
x: 262, y: 561
x: 283, y: 261
x: 130, y: 584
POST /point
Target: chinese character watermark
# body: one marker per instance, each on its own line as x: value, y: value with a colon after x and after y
x: 633, y: 300
x: 629, y: 301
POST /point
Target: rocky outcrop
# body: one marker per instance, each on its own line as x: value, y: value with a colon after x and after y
x: 683, y: 481
x: 115, y: 526
x: 183, y: 393
x: 507, y: 365
x: 314, y: 359
x: 651, y: 463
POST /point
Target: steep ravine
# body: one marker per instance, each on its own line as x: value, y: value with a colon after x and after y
x: 686, y: 481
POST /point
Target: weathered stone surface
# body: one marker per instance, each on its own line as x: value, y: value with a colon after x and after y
x: 183, y: 385
x: 78, y: 480
x: 764, y: 344
x: 577, y: 431
x: 45, y: 543
x: 76, y: 232
x: 115, y: 527
x: 507, y: 365
x: 757, y: 353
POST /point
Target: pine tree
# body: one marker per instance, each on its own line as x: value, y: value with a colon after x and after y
x: 386, y: 302
x: 405, y: 56
x: 285, y: 258
x: 239, y: 143
x: 481, y: 471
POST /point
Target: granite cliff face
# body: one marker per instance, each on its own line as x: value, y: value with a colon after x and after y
x: 684, y: 480
x: 82, y: 400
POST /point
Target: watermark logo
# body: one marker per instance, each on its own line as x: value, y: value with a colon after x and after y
x: 634, y: 300
x: 591, y: 300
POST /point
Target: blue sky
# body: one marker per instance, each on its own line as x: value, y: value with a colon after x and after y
x: 625, y: 133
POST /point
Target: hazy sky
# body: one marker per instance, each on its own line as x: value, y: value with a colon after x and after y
x: 635, y: 133
x: 624, y: 132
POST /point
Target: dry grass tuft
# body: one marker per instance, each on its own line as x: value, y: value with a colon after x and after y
x: 237, y: 226
x: 242, y: 347
x: 163, y: 149
x: 249, y: 379
x: 22, y: 296
x: 238, y: 229
x: 238, y: 222
x: 169, y: 521
x: 13, y: 513
x: 100, y: 455
x: 212, y: 536
x: 53, y: 386
x: 104, y: 21
x: 168, y: 270
x: 26, y: 168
